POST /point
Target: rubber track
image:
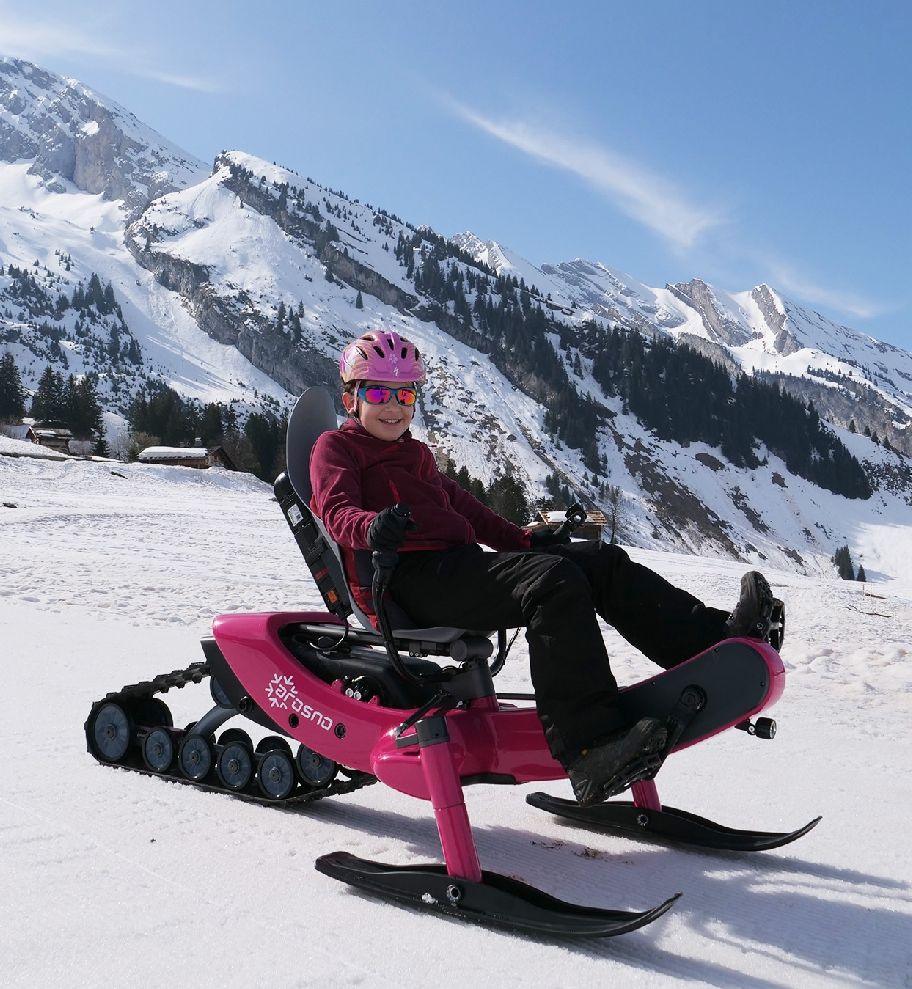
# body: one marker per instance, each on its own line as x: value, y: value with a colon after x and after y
x: 196, y: 673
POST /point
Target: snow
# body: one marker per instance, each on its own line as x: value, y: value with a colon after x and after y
x: 110, y: 573
x: 26, y: 448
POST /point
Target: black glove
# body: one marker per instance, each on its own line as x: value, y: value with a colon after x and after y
x: 387, y: 531
x: 546, y: 538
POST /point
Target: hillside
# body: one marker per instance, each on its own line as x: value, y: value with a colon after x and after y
x: 241, y: 283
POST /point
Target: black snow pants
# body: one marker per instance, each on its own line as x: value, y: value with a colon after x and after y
x: 555, y: 596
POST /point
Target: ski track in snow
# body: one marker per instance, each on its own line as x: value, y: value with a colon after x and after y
x: 115, y: 877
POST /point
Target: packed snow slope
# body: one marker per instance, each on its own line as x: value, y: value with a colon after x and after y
x: 110, y: 573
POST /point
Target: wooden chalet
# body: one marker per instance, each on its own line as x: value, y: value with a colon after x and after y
x: 199, y: 457
x: 53, y: 436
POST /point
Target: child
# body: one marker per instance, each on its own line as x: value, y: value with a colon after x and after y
x: 532, y: 579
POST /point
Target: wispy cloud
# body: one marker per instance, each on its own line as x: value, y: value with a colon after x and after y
x: 33, y: 39
x: 29, y: 39
x: 660, y: 205
x: 181, y: 81
x: 787, y: 278
x: 642, y: 195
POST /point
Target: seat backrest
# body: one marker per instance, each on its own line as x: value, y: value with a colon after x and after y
x: 314, y: 414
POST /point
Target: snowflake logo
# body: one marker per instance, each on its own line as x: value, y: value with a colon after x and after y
x: 281, y: 691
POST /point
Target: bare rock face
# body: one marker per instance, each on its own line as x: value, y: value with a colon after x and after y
x: 720, y: 325
x: 73, y: 133
x: 785, y: 342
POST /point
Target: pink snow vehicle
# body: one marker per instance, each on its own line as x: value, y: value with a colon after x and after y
x: 364, y: 706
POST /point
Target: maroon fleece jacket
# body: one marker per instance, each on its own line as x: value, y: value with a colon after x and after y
x: 355, y: 475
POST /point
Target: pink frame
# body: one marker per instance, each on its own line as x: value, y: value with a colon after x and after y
x: 485, y: 739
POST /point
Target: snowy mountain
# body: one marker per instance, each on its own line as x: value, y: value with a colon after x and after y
x: 849, y: 375
x: 243, y: 282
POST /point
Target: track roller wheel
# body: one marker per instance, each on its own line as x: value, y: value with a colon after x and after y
x: 108, y: 732
x: 276, y: 775
x: 217, y: 691
x: 314, y: 769
x: 230, y: 735
x: 151, y: 712
x: 195, y: 757
x: 158, y: 750
x: 271, y: 742
x: 234, y: 766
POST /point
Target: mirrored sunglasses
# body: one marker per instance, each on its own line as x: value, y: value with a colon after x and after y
x: 380, y: 395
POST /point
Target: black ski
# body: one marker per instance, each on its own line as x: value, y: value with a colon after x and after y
x: 676, y: 827
x: 496, y: 901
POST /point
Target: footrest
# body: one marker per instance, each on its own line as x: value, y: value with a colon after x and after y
x: 674, y: 826
x: 496, y: 901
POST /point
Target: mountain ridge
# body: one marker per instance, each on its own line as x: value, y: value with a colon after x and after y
x: 245, y: 283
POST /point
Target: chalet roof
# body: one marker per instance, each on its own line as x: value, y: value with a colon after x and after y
x: 49, y: 432
x: 174, y: 453
x: 557, y: 515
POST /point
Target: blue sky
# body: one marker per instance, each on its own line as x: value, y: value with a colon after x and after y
x: 738, y: 142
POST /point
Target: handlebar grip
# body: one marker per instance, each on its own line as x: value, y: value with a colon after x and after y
x: 574, y: 518
x: 385, y: 559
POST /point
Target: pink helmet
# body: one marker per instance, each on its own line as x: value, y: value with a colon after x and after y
x: 381, y: 355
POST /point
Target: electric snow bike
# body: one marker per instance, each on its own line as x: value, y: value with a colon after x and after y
x: 374, y: 706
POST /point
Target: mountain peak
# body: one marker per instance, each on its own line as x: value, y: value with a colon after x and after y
x: 73, y: 133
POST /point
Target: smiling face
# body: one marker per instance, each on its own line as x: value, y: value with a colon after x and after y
x: 385, y: 422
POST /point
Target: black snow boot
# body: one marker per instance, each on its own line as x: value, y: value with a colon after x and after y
x: 611, y: 765
x: 753, y: 614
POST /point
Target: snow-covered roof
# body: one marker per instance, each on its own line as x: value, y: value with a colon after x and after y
x: 50, y: 431
x: 174, y: 453
x: 560, y: 514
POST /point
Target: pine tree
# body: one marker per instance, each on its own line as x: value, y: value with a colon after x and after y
x: 842, y: 559
x: 47, y: 402
x: 359, y: 301
x: 211, y: 425
x: 861, y: 574
x: 12, y: 395
x: 84, y: 415
x: 508, y: 498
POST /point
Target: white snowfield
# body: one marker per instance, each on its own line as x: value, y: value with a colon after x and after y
x: 110, y: 574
